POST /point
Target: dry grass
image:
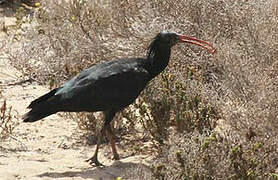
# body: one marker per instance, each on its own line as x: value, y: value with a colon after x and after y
x: 181, y: 107
x: 7, y: 121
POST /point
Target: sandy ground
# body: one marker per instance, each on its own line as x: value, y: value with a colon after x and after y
x: 49, y: 148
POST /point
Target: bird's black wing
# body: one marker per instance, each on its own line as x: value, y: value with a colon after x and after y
x: 114, y: 84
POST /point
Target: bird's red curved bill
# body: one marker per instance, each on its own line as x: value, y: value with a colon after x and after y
x: 198, y: 42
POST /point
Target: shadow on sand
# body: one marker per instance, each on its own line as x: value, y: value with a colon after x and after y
x: 126, y: 170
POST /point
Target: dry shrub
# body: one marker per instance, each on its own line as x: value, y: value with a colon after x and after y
x: 180, y: 108
x: 7, y: 121
x: 29, y: 2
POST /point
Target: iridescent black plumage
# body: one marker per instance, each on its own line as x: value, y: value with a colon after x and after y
x: 107, y: 87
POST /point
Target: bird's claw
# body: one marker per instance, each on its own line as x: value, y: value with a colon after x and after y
x: 116, y: 157
x: 94, y: 161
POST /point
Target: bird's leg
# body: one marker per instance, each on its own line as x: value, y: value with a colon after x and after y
x: 110, y: 135
x: 94, y: 159
x: 108, y: 115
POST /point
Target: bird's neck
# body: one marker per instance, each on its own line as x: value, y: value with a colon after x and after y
x: 158, y: 59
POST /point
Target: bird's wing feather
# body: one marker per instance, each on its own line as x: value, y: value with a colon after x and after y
x: 109, y: 85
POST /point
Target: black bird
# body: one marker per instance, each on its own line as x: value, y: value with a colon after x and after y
x: 110, y: 86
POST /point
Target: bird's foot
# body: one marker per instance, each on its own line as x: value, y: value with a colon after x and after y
x: 94, y: 161
x: 116, y: 157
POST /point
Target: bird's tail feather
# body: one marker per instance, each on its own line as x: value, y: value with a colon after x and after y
x: 42, y: 107
x: 43, y: 98
x: 35, y: 115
